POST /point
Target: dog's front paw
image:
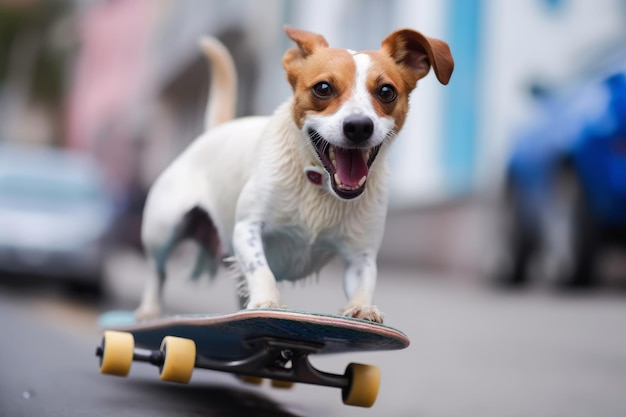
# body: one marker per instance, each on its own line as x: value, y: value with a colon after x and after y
x: 263, y: 304
x: 367, y: 312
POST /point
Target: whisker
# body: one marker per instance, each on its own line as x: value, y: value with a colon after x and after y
x: 390, y: 135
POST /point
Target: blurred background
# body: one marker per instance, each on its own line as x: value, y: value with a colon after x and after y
x: 124, y: 82
x: 512, y: 175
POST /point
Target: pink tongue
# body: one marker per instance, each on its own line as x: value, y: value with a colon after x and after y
x: 351, y: 166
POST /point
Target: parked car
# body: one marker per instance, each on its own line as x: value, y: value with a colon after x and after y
x: 564, y: 197
x: 55, y: 215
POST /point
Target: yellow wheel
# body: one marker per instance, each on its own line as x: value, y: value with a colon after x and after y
x: 277, y: 383
x: 252, y: 380
x: 179, y: 359
x: 116, y: 353
x: 364, y: 383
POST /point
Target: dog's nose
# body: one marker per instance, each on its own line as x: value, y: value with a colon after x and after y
x: 358, y: 128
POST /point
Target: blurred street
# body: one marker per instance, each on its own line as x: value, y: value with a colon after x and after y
x: 475, y: 351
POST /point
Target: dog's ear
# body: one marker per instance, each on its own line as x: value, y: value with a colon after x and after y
x: 307, y: 43
x: 417, y: 53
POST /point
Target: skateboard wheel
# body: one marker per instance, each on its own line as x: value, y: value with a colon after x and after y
x: 364, y: 382
x: 179, y: 359
x: 252, y: 380
x: 116, y: 353
x: 277, y: 383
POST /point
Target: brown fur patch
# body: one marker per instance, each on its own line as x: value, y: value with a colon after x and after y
x: 404, y: 58
x: 384, y: 70
x: 334, y: 66
x: 417, y: 53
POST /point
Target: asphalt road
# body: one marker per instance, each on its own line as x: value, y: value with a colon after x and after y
x: 474, y: 352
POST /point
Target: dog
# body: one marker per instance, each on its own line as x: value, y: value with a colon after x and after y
x: 278, y: 197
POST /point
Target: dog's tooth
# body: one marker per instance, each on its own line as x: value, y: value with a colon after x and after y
x: 362, y: 180
x: 337, y: 179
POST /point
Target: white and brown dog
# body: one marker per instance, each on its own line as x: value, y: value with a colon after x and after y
x: 282, y: 195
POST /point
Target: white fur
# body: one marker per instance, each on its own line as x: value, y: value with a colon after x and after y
x: 248, y: 175
x: 285, y: 222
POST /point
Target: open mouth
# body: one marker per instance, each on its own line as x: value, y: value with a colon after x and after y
x: 348, y: 167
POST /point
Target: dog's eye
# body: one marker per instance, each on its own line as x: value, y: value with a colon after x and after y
x: 387, y: 94
x: 322, y: 90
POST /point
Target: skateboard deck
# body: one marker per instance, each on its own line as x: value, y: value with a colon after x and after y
x: 263, y: 343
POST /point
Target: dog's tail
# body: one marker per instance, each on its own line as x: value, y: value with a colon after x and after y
x: 222, y: 99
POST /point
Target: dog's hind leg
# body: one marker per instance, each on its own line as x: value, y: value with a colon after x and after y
x: 151, y: 299
x: 197, y: 225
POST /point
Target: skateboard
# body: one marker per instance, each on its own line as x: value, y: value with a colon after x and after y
x: 253, y: 344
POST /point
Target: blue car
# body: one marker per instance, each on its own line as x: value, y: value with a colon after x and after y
x: 565, y: 186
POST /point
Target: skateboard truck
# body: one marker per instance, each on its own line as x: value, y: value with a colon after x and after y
x: 289, y: 361
x: 270, y: 357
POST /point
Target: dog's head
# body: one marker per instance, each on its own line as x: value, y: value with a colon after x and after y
x: 348, y: 104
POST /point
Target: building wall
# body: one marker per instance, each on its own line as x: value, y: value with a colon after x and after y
x: 455, y: 138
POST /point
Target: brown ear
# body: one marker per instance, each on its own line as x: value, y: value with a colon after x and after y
x: 307, y: 43
x: 418, y: 53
